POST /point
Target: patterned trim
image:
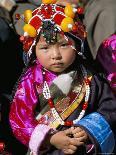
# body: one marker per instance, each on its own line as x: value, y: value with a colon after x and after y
x: 47, y: 117
x: 100, y: 129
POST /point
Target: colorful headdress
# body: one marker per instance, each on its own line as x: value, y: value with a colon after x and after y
x: 49, y: 19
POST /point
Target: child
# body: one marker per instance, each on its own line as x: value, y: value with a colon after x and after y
x: 60, y: 106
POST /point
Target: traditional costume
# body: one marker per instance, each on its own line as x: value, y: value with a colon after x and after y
x: 45, y: 102
x: 107, y: 58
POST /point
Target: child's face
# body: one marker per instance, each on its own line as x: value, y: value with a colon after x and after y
x: 55, y: 57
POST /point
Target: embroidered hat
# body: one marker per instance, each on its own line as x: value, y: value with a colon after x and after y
x: 48, y: 19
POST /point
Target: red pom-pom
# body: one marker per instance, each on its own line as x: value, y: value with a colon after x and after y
x: 27, y: 43
x: 80, y: 10
x: 75, y: 28
x: 17, y: 16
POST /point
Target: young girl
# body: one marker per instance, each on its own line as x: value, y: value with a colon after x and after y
x: 60, y: 106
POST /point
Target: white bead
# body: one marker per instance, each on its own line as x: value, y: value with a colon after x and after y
x: 70, y: 26
x: 74, y: 10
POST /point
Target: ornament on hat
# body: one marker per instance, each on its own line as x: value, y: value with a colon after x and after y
x: 49, y: 1
x: 30, y: 30
x: 70, y: 10
x: 67, y: 24
x: 80, y: 10
x: 27, y: 15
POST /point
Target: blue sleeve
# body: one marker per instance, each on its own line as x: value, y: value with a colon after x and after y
x: 100, y: 130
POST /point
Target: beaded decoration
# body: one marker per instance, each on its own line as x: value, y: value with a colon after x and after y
x: 47, y: 95
x: 49, y: 32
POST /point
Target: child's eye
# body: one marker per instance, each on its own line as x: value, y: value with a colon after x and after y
x: 64, y: 45
x: 43, y: 48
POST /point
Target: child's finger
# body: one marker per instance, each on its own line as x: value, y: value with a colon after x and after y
x: 73, y: 147
x: 76, y: 130
x: 76, y: 142
x: 68, y: 131
x: 68, y: 151
x: 81, y: 134
x: 82, y: 139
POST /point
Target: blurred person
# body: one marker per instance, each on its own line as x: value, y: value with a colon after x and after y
x: 11, y: 65
x: 106, y: 58
x: 64, y: 2
x: 100, y: 21
x: 10, y: 50
x: 36, y: 2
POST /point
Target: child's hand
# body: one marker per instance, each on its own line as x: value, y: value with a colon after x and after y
x: 62, y: 141
x: 80, y: 134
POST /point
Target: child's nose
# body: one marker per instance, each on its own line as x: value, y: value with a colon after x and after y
x: 55, y: 54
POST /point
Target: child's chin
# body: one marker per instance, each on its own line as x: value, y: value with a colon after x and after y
x: 58, y: 70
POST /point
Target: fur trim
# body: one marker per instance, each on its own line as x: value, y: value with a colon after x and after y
x: 37, y: 137
x: 64, y: 82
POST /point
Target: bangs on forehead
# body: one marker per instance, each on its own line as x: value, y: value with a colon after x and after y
x: 59, y: 39
x: 49, y: 31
